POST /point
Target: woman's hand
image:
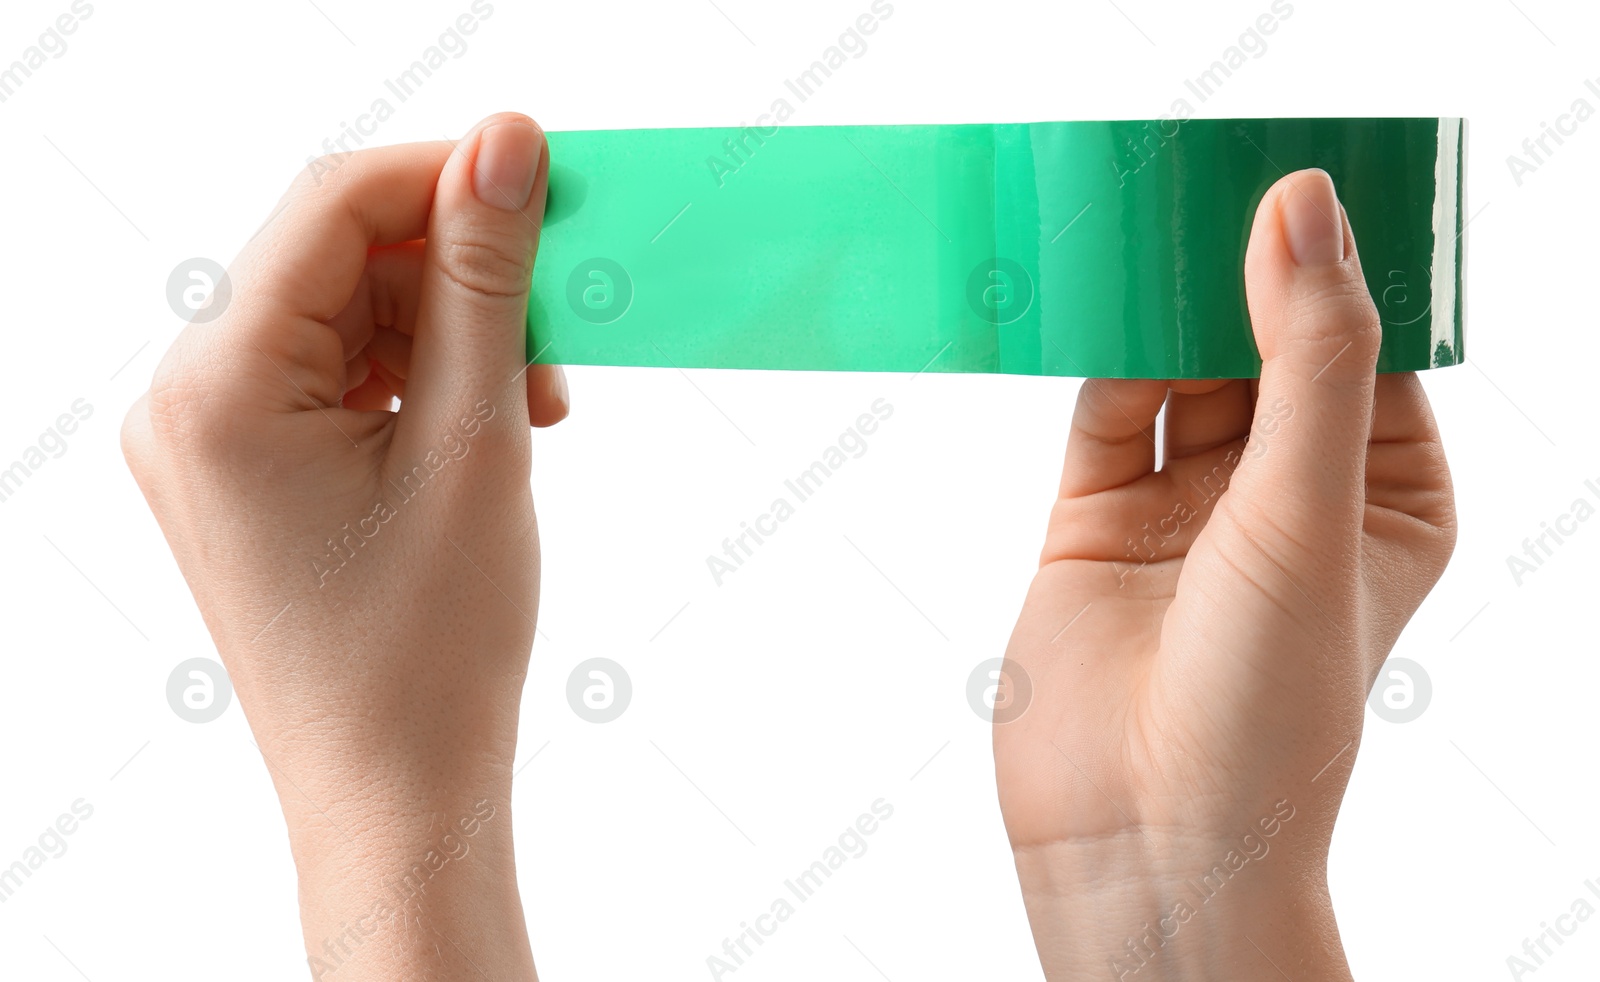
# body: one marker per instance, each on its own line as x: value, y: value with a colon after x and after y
x: 1200, y: 639
x: 371, y: 577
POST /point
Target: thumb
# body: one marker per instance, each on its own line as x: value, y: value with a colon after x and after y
x: 1318, y: 333
x: 476, y: 274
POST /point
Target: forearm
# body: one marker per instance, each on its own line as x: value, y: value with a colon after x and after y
x: 1208, y: 912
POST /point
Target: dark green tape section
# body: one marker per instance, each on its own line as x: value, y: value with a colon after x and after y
x: 1095, y: 249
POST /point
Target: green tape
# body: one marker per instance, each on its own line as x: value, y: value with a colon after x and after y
x: 1095, y: 249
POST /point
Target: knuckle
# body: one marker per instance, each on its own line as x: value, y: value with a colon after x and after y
x: 1108, y: 418
x: 493, y: 265
x: 184, y: 414
x: 327, y: 182
x: 1336, y: 311
x: 323, y: 180
x: 320, y: 172
x: 1336, y: 305
x: 135, y: 435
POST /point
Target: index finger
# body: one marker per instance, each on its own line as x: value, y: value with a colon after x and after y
x: 302, y: 267
x: 310, y: 253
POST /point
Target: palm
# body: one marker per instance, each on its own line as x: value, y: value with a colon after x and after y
x: 1152, y: 635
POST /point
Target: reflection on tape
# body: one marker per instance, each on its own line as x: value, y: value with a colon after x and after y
x: 1092, y: 249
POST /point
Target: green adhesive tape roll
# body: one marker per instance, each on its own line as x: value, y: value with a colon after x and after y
x: 1095, y: 249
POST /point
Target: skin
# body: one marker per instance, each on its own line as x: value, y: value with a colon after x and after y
x: 382, y: 688
x: 1195, y: 697
x: 370, y: 577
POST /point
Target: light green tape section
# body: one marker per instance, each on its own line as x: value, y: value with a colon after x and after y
x: 1103, y: 249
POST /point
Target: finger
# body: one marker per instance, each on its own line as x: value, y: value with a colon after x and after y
x: 315, y: 250
x: 1110, y: 450
x: 1410, y: 518
x: 301, y: 270
x: 1202, y: 416
x: 1112, y: 441
x: 396, y: 274
x: 1318, y: 333
x: 385, y: 296
x: 356, y: 372
x: 1156, y: 517
x: 548, y: 398
x: 394, y: 277
x: 477, y: 271
x: 1401, y: 411
x: 1406, y: 469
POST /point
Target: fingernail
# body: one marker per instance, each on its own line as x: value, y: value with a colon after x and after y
x: 508, y: 160
x: 1311, y: 220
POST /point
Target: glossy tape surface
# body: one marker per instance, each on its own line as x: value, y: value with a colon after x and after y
x: 1092, y: 249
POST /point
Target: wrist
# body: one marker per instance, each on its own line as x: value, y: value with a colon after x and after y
x: 403, y: 848
x: 1150, y: 906
x: 424, y: 890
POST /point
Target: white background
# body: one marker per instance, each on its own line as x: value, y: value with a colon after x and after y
x: 806, y: 686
